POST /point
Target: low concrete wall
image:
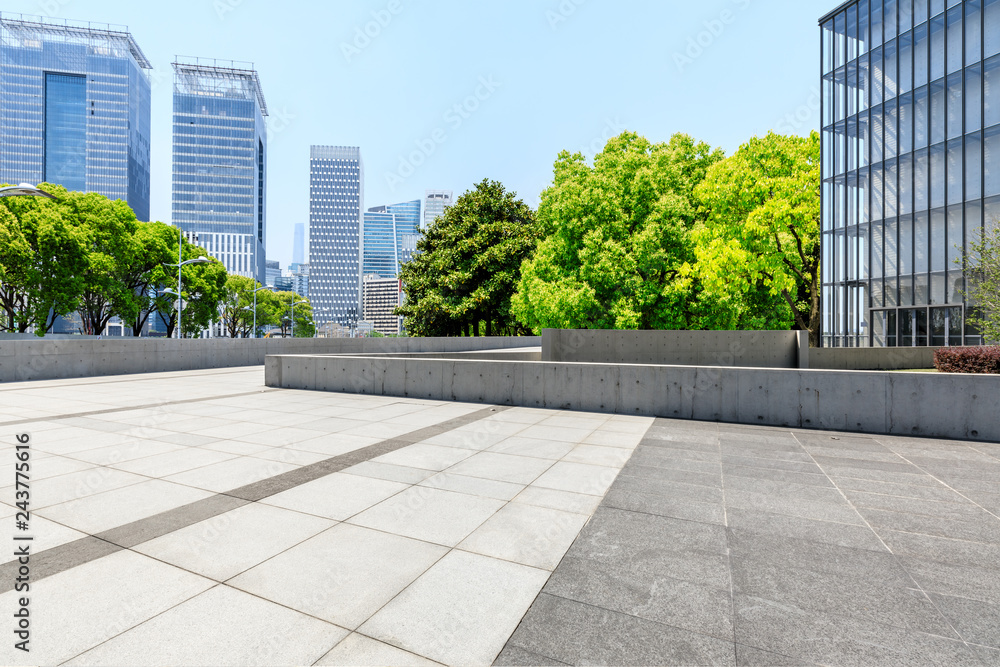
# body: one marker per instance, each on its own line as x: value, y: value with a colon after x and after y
x: 911, y: 404
x: 872, y: 358
x: 46, y: 359
x: 765, y: 349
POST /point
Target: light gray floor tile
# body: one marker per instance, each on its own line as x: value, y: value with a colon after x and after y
x: 535, y: 447
x: 290, y: 455
x: 567, y: 501
x: 442, y: 517
x: 608, y: 436
x: 335, y: 444
x: 136, y: 449
x: 502, y: 467
x: 474, y: 486
x: 94, y: 602
x: 337, y: 496
x: 103, y: 511
x: 343, y: 575
x: 536, y: 536
x: 231, y: 543
x: 461, y: 611
x: 360, y: 651
x: 220, y: 627
x: 578, y: 478
x: 75, y: 485
x: 389, y: 472
x: 428, y: 457
x: 231, y: 474
x: 558, y: 433
x: 612, y: 457
x: 171, y: 463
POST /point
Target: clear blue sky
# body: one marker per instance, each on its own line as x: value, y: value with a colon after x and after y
x: 565, y: 74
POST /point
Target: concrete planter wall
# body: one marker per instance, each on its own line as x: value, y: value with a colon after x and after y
x: 910, y: 404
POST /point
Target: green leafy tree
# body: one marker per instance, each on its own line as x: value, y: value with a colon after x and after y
x: 617, y: 246
x: 42, y: 261
x: 236, y: 307
x: 761, y: 239
x: 147, y: 274
x: 984, y: 283
x: 304, y: 325
x: 468, y: 264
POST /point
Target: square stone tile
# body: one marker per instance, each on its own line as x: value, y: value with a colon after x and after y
x: 290, y: 455
x: 977, y: 622
x: 541, y: 449
x: 89, y: 604
x: 135, y: 449
x: 280, y: 436
x: 612, y: 457
x: 502, y: 467
x: 566, y: 501
x: 432, y: 515
x: 610, y: 436
x: 337, y: 496
x: 343, y: 575
x: 474, y: 440
x: 231, y: 474
x: 578, y: 478
x: 335, y: 444
x: 389, y: 472
x: 558, y: 433
x: 461, y: 611
x: 579, y: 634
x: 220, y: 627
x: 171, y: 463
x: 75, y: 486
x: 474, y: 486
x: 228, y: 544
x: 96, y: 513
x: 360, y: 651
x: 526, y: 534
x: 428, y: 457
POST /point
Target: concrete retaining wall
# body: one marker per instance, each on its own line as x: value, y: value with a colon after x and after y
x: 765, y: 349
x: 872, y: 358
x: 918, y: 404
x: 46, y: 359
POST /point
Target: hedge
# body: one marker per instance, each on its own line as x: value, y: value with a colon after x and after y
x: 968, y: 359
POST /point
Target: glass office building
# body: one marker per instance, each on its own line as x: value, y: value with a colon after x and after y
x: 911, y: 166
x: 407, y: 228
x: 75, y: 108
x: 380, y: 252
x: 435, y: 203
x: 220, y: 162
x: 336, y: 230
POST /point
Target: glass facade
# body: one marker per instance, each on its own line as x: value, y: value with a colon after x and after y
x: 435, y: 202
x: 380, y: 252
x: 407, y: 228
x: 220, y: 161
x: 911, y: 166
x: 75, y: 108
x: 336, y: 231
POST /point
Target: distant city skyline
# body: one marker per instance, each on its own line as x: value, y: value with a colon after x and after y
x: 475, y: 108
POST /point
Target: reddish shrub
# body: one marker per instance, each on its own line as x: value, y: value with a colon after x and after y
x: 968, y: 359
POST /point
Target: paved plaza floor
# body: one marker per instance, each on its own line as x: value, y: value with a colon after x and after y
x: 200, y: 518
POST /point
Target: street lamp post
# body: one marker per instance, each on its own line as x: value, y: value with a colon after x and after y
x: 180, y: 280
x: 255, y: 308
x: 23, y: 190
x: 292, y: 309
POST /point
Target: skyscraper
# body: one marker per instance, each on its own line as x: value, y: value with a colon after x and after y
x: 911, y: 166
x: 299, y: 244
x: 220, y: 161
x: 75, y: 108
x: 435, y: 202
x: 336, y: 230
x: 407, y: 228
x: 380, y: 252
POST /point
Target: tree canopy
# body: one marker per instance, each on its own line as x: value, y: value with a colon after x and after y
x: 617, y: 247
x: 467, y: 265
x: 984, y: 283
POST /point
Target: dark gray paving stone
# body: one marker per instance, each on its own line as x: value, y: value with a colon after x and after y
x: 512, y: 656
x: 665, y: 505
x: 957, y: 508
x: 804, y: 508
x: 580, y: 634
x: 707, y: 467
x: 879, y: 454
x: 989, y: 656
x: 648, y: 593
x: 805, y: 465
x: 968, y: 459
x: 747, y: 656
x: 937, y: 491
x: 57, y: 559
x: 671, y: 453
x: 790, y: 490
x: 640, y: 480
x: 881, y: 475
x: 942, y: 549
x: 826, y: 532
x: 766, y: 454
x: 962, y: 580
x: 839, y: 440
x: 811, y: 479
x: 977, y: 622
x: 885, y: 466
x: 641, y: 460
x: 988, y: 501
x: 979, y: 473
x: 985, y: 529
x: 788, y: 445
x: 825, y: 578
x: 693, y: 441
x: 839, y: 640
x: 967, y: 486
